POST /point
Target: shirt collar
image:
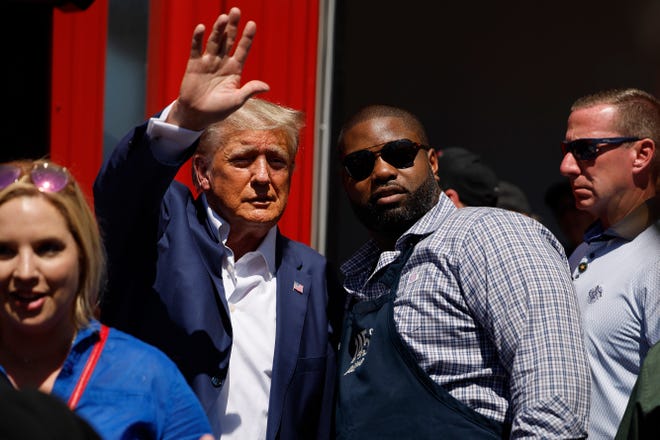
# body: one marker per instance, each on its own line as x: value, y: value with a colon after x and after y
x: 628, y: 227
x: 266, y: 248
x: 217, y: 221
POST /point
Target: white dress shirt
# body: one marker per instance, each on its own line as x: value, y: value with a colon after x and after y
x: 250, y: 289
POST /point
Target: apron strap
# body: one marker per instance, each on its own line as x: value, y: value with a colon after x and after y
x: 392, y: 273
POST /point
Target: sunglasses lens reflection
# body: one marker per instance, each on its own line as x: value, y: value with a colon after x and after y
x: 49, y: 178
x: 8, y: 175
x: 45, y: 176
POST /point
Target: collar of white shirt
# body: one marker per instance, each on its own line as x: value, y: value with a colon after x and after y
x: 266, y: 249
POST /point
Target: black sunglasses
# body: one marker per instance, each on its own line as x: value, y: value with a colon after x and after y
x: 588, y: 149
x: 400, y: 154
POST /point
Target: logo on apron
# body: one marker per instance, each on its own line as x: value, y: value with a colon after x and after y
x: 358, y: 348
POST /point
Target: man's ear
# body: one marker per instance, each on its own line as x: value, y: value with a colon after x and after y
x: 643, y: 154
x: 433, y: 160
x: 453, y: 196
x: 200, y: 172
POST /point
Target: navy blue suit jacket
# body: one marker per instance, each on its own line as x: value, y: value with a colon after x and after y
x: 165, y: 287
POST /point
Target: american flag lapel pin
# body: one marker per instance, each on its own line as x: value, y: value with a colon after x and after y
x: 298, y: 287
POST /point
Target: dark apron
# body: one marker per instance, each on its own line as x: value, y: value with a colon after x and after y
x: 383, y: 392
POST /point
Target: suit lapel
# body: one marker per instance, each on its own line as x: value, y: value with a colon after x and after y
x: 293, y: 289
x: 206, y: 237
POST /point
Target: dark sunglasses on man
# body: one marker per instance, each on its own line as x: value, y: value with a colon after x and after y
x: 400, y: 153
x: 590, y: 148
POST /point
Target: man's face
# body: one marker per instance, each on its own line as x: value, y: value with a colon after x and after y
x: 600, y: 184
x: 389, y: 200
x: 248, y: 179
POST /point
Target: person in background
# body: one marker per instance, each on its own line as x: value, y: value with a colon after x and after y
x: 611, y: 160
x: 465, y: 179
x: 52, y: 270
x: 248, y: 315
x: 513, y: 198
x: 641, y: 419
x: 461, y: 323
x: 572, y: 222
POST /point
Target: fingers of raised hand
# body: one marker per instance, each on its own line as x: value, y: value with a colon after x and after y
x: 196, y: 46
x: 244, y: 44
x: 224, y: 33
x: 231, y: 31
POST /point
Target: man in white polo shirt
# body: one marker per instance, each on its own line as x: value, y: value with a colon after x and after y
x: 611, y: 159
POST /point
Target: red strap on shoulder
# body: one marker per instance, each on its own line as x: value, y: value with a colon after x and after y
x: 89, y: 368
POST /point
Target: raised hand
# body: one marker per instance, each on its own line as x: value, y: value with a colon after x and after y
x: 211, y: 86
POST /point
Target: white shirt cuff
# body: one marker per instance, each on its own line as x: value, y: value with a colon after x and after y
x: 168, y: 141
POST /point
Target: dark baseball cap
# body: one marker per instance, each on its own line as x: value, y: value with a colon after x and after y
x: 513, y: 198
x: 464, y: 172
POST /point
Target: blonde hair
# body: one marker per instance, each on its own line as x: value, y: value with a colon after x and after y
x: 80, y: 219
x: 255, y: 114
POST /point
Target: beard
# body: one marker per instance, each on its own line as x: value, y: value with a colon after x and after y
x: 394, y: 220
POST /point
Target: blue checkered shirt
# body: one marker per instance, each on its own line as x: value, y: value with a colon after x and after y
x: 487, y: 307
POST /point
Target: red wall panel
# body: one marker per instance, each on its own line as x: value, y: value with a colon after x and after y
x: 283, y: 55
x: 77, y: 88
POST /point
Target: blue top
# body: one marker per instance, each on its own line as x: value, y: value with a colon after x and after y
x: 134, y: 392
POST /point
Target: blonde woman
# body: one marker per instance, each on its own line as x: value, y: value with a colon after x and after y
x: 52, y: 267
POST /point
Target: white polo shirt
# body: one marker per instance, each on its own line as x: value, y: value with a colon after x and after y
x: 617, y: 280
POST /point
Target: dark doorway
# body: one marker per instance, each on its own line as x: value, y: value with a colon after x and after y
x: 495, y: 77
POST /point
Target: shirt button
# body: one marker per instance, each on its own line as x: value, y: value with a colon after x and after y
x: 216, y: 381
